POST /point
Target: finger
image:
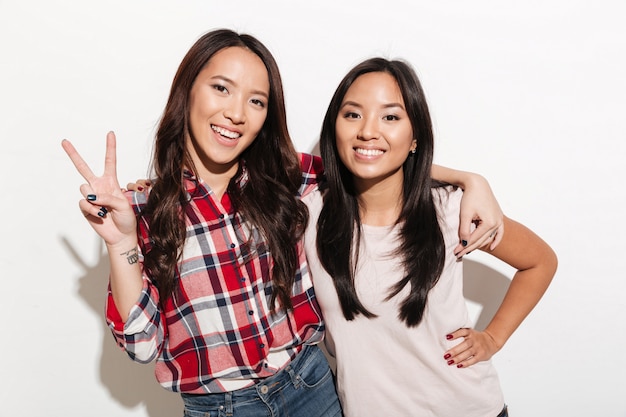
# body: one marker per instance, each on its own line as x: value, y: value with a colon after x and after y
x: 465, y: 231
x: 80, y: 165
x: 498, y: 237
x: 467, y: 362
x: 481, y: 236
x: 459, y: 353
x: 110, y: 158
x: 91, y: 211
x: 135, y: 186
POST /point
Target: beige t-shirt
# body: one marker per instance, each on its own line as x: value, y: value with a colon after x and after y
x: 385, y: 368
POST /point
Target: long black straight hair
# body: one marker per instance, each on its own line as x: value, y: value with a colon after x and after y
x: 422, y: 247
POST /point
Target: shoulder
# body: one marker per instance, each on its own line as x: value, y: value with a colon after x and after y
x: 312, y: 172
x: 311, y: 164
x: 137, y: 200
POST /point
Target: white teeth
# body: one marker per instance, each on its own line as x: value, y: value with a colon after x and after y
x: 369, y: 152
x: 224, y: 132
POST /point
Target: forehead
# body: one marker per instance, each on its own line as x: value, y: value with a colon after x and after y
x: 238, y: 64
x: 375, y: 87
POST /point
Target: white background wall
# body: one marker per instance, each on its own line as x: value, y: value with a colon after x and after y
x: 530, y: 94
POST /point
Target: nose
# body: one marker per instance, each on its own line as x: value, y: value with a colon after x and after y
x: 235, y: 110
x: 369, y: 129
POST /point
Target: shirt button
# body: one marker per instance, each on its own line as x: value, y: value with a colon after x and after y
x: 262, y: 345
x: 232, y: 246
x: 222, y: 216
x: 264, y: 389
x: 250, y: 312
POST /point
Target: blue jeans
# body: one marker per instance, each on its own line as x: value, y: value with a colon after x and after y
x: 504, y: 412
x: 305, y: 388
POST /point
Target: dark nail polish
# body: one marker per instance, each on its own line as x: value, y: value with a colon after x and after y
x: 103, y: 211
x: 450, y: 362
x: 464, y: 243
x: 91, y: 197
x: 447, y: 356
x: 448, y: 336
x: 459, y: 365
x: 140, y: 188
x: 101, y: 214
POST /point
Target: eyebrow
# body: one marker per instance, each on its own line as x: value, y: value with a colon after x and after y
x: 228, y: 80
x: 385, y: 106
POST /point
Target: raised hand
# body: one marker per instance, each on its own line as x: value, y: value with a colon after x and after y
x: 104, y: 205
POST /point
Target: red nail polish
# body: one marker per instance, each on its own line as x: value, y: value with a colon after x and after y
x: 140, y: 188
x: 459, y: 365
x: 447, y: 356
x: 450, y: 362
x: 448, y: 336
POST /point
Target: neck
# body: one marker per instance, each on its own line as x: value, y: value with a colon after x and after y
x: 217, y: 181
x: 380, y: 204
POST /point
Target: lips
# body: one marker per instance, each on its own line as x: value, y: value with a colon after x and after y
x: 369, y: 152
x: 225, y: 132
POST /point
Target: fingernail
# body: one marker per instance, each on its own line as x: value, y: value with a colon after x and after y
x: 103, y: 211
x: 450, y: 362
x: 459, y: 365
x: 140, y: 188
x: 447, y: 356
x: 448, y: 336
x: 464, y: 242
x: 91, y: 197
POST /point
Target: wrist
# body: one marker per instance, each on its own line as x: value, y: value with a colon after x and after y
x: 126, y: 244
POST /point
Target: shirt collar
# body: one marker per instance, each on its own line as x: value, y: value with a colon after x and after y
x: 241, y: 178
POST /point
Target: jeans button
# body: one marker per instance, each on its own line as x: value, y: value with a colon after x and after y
x: 264, y: 389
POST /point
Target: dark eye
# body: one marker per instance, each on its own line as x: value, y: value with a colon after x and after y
x: 391, y: 117
x: 258, y: 102
x: 351, y: 115
x: 220, y: 88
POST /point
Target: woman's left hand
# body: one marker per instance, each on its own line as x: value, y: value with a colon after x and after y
x: 476, y: 347
x: 479, y: 207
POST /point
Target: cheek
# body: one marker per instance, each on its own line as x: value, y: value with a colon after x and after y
x: 257, y: 122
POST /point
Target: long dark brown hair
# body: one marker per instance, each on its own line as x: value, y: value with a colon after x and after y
x: 422, y: 247
x: 268, y: 201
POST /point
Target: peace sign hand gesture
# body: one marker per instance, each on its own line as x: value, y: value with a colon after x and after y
x: 104, y: 205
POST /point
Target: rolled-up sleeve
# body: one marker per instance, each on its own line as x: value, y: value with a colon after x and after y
x: 142, y: 335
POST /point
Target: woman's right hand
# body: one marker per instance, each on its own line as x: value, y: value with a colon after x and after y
x: 104, y: 205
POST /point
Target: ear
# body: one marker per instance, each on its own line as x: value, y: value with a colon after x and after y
x: 414, y: 146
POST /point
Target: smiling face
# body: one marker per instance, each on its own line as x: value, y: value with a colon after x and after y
x: 227, y: 109
x: 374, y: 134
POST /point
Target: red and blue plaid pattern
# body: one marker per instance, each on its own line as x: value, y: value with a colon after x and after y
x: 216, y: 333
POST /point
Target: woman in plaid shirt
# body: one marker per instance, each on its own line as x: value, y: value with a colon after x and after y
x: 208, y: 274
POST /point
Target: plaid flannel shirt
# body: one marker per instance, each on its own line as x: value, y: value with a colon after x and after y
x: 216, y: 333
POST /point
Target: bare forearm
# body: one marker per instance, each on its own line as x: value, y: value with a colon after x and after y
x: 536, y: 265
x: 126, y: 279
x: 524, y: 293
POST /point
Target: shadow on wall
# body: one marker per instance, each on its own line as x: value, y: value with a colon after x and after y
x: 129, y: 383
x: 484, y: 286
